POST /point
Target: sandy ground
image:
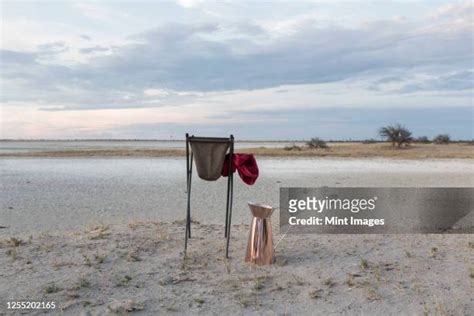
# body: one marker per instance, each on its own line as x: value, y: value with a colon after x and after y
x: 131, y: 264
x: 140, y: 268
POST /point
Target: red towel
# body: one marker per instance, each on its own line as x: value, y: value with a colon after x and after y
x: 245, y: 164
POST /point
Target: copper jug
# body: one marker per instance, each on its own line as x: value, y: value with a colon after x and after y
x: 260, y: 244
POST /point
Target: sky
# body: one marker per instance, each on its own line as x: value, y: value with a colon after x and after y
x: 282, y: 70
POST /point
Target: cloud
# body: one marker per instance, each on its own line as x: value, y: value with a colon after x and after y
x: 458, y: 81
x: 9, y: 57
x: 156, y: 92
x: 199, y: 57
x: 219, y: 68
x: 327, y: 123
x: 52, y: 49
x: 100, y: 13
x: 94, y: 49
x: 59, y: 45
x: 86, y: 37
x: 213, y: 56
x: 458, y: 11
x: 189, y: 3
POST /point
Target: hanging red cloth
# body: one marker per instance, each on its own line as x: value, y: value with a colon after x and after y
x: 245, y: 164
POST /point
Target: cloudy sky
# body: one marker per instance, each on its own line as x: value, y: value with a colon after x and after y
x: 259, y: 70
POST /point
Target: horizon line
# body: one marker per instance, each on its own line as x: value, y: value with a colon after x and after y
x: 175, y: 140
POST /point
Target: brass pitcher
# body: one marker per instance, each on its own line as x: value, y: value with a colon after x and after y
x: 260, y: 244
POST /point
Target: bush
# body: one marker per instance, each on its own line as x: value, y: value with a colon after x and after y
x: 293, y: 147
x: 396, y: 134
x: 442, y: 139
x: 369, y: 141
x: 422, y: 140
x: 316, y: 142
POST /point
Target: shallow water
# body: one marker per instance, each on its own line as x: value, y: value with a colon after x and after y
x: 68, y: 193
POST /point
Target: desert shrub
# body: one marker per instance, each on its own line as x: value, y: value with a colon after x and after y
x: 422, y: 140
x: 369, y: 141
x: 293, y: 147
x: 442, y: 139
x: 316, y: 142
x: 396, y: 134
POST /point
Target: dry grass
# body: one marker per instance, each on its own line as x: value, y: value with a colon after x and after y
x: 359, y: 150
x: 315, y: 294
x: 82, y: 282
x: 329, y: 282
x: 11, y: 242
x: 349, y: 150
x: 350, y: 280
x: 51, y: 288
x: 98, y: 231
x: 364, y: 264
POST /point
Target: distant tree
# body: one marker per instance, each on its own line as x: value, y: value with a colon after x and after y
x: 422, y: 140
x: 442, y: 139
x: 396, y: 134
x: 316, y: 142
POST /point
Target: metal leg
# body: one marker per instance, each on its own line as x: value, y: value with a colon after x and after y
x: 230, y: 195
x: 189, y: 173
x: 230, y: 215
x: 188, y: 233
x: 189, y: 196
x: 187, y: 191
